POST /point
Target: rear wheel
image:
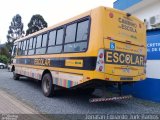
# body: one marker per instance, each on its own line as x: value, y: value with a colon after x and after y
x: 89, y: 90
x: 47, y: 85
x: 15, y: 76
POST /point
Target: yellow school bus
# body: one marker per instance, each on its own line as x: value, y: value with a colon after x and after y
x: 102, y: 45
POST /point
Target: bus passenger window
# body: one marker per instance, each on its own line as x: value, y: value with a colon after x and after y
x: 80, y: 44
x: 82, y: 32
x: 59, y: 39
x: 31, y: 45
x: 44, y: 40
x: 41, y: 44
x: 34, y: 42
x: 14, y: 50
x: 39, y: 41
x: 52, y: 47
x: 75, y: 47
x: 26, y: 50
x: 70, y: 33
x: 20, y: 48
x: 24, y: 47
x: 52, y: 38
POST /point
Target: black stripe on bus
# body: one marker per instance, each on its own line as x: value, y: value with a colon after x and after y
x: 89, y: 63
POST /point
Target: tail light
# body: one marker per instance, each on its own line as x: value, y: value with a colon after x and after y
x: 101, y: 68
x: 101, y: 55
x: 100, y: 61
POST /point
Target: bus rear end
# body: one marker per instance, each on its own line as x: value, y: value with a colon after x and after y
x: 123, y: 58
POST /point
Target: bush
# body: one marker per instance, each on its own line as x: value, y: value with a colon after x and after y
x: 4, y: 59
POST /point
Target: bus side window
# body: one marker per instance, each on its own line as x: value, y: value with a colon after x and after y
x: 55, y: 41
x: 26, y: 49
x: 14, y: 50
x: 82, y: 31
x: 82, y: 35
x: 41, y: 44
x: 75, y: 47
x: 59, y: 39
x: 22, y: 47
x: 44, y: 40
x: 39, y: 41
x: 52, y: 38
x: 30, y: 47
x: 30, y: 43
x: 71, y: 33
x: 80, y: 44
x: 19, y: 48
x: 34, y: 44
x: 38, y: 44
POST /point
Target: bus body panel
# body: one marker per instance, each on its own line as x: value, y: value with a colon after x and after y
x: 121, y: 27
x: 125, y: 45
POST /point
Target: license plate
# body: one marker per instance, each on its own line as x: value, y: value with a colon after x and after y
x: 127, y: 70
x: 126, y: 78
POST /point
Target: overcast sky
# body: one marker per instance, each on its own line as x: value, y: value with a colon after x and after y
x: 53, y: 11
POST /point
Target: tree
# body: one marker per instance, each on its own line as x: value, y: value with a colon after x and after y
x: 36, y: 23
x: 15, y: 29
x: 15, y: 32
x: 4, y: 59
x: 4, y: 51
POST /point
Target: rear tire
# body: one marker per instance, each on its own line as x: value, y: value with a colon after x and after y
x: 47, y: 85
x: 15, y: 76
x: 90, y: 90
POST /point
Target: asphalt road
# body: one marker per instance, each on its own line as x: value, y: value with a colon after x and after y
x: 67, y: 102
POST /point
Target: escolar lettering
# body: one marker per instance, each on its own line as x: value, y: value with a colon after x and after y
x: 114, y: 57
x: 42, y: 62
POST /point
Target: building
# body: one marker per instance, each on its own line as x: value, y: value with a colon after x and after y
x: 148, y: 11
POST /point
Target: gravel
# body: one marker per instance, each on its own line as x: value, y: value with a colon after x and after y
x: 67, y: 102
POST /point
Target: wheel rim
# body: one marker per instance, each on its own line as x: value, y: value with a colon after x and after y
x: 46, y: 85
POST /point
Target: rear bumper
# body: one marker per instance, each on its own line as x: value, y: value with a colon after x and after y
x: 118, y: 78
x: 124, y: 78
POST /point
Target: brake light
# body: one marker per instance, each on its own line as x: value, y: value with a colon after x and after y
x: 100, y: 68
x: 100, y: 61
x: 101, y: 55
